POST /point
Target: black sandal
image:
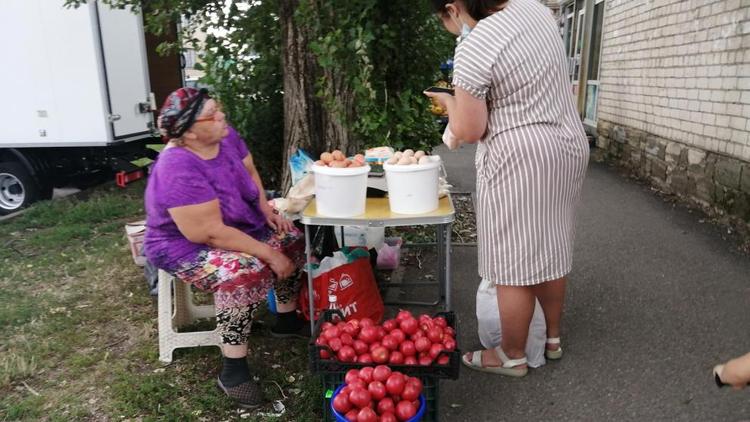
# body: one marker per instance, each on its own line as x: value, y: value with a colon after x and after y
x: 246, y: 395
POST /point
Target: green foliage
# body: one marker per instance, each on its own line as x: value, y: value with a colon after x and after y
x: 375, y: 57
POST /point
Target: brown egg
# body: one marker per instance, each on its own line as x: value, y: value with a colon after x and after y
x: 337, y: 164
x: 425, y: 160
x: 398, y: 155
x: 409, y: 152
x: 356, y: 164
x: 392, y: 160
x: 359, y: 158
x: 326, y: 157
x: 348, y: 162
x: 404, y: 161
x: 338, y: 155
x: 419, y: 154
x: 413, y: 160
x: 320, y: 163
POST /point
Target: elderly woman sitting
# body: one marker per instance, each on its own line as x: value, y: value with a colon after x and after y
x: 208, y: 224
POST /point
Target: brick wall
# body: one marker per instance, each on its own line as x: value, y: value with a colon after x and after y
x: 674, y: 100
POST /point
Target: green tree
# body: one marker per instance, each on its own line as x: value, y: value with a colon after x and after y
x: 316, y: 74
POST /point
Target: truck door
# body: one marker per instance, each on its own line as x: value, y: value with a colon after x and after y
x: 126, y: 68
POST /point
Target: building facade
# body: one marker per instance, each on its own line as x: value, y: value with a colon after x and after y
x: 664, y: 85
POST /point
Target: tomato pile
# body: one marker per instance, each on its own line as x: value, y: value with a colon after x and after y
x: 405, y: 340
x: 378, y: 394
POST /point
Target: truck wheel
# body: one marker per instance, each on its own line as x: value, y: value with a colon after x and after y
x: 17, y: 188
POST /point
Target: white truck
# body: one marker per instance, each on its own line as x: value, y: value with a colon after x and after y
x: 78, y: 95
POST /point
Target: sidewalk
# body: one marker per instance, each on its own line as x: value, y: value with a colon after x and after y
x: 655, y: 299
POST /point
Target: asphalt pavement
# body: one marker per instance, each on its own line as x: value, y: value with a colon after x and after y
x: 657, y: 296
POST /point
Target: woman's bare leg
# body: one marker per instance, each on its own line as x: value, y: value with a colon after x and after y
x: 551, y: 295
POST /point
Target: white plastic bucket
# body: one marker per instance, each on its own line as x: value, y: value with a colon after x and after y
x: 340, y: 192
x: 413, y: 189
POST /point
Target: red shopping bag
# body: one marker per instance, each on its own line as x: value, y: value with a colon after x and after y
x: 355, y: 289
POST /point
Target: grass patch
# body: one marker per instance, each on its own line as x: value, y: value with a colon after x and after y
x: 78, y: 327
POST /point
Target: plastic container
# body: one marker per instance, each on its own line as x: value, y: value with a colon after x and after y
x: 319, y: 365
x: 418, y: 417
x: 340, y: 192
x: 430, y: 393
x: 413, y: 189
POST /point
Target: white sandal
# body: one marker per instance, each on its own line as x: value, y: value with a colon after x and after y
x: 553, y: 354
x: 508, y: 367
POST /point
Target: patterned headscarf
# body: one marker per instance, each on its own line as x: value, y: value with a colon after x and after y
x: 180, y: 110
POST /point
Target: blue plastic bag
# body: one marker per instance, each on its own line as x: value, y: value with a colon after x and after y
x: 299, y: 164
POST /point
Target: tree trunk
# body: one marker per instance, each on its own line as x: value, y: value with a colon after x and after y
x: 307, y: 123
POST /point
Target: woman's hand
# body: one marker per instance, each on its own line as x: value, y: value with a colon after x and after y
x: 278, y: 223
x: 281, y: 265
x: 446, y: 101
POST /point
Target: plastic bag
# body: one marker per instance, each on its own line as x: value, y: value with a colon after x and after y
x: 390, y: 254
x: 490, y: 333
x: 348, y: 275
x: 298, y: 197
x: 299, y: 164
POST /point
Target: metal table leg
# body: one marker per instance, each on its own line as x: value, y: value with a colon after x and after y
x: 308, y: 252
x: 448, y: 230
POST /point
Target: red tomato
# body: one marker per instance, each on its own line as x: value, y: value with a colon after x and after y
x: 395, y: 384
x: 403, y: 314
x: 345, y: 391
x: 399, y: 335
x: 426, y: 325
x: 332, y: 332
x: 346, y: 354
x: 381, y: 373
x: 405, y: 410
x: 441, y: 322
x: 435, y: 350
x: 335, y: 344
x: 410, y: 392
x: 381, y: 333
x: 449, y: 331
x: 396, y: 358
x: 360, y: 347
x: 377, y: 390
x: 324, y: 354
x: 390, y: 325
x: 386, y: 406
x: 321, y: 341
x: 365, y: 374
x: 416, y: 382
x: 422, y: 344
x: 374, y: 345
x: 443, y: 360
x: 449, y: 344
x: 407, y: 348
x: 346, y: 339
x: 425, y: 361
x: 410, y: 360
x: 435, y: 334
x: 388, y: 417
x: 364, y: 358
x: 351, y: 415
x: 368, y: 334
x: 380, y: 355
x: 326, y: 325
x: 341, y: 403
x: 360, y: 397
x: 357, y: 383
x: 367, y: 415
x: 366, y: 322
x: 409, y: 326
x: 351, y: 375
x: 418, y: 334
x: 389, y: 342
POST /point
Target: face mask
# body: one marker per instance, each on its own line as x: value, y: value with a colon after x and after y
x: 465, y: 29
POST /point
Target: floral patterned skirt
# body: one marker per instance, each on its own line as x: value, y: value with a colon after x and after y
x: 240, y: 282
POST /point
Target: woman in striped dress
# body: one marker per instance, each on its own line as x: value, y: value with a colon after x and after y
x: 513, y: 95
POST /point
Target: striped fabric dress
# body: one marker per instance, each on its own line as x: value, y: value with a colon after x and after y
x: 532, y: 160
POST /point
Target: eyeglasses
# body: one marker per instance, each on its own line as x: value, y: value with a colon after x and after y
x: 213, y: 117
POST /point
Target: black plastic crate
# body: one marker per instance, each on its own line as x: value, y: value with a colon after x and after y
x: 319, y: 365
x: 430, y: 390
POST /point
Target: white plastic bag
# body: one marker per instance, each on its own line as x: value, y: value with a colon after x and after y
x: 488, y: 325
